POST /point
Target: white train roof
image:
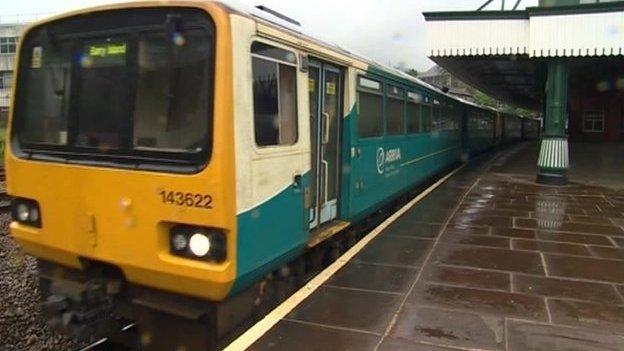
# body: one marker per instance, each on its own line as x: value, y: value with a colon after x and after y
x: 265, y: 16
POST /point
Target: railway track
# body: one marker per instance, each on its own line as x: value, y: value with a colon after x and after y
x: 105, y: 344
x: 5, y: 199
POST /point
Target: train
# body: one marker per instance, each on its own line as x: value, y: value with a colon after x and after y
x: 174, y: 164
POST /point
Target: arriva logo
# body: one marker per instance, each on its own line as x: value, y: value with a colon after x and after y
x: 381, y: 160
x: 388, y: 156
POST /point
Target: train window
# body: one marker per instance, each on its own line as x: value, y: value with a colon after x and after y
x: 369, y: 84
x: 274, y: 95
x: 98, y: 74
x: 269, y: 51
x: 413, y: 117
x: 442, y: 117
x: 457, y: 117
x: 413, y: 112
x: 370, y: 108
x: 436, y: 118
x: 120, y: 94
x: 446, y: 118
x: 161, y: 122
x: 395, y: 119
x: 45, y: 114
x: 427, y: 111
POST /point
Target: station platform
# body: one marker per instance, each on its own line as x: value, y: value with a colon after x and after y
x: 488, y: 260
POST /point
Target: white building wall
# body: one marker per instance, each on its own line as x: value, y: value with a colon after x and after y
x: 591, y: 34
x: 7, y: 60
x: 477, y: 37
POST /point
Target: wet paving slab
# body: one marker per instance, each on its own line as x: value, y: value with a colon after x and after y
x: 295, y: 335
x: 488, y: 261
x: 526, y: 336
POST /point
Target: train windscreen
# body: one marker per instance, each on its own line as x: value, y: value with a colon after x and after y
x: 128, y: 86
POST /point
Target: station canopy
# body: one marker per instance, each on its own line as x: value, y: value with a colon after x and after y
x: 503, y: 53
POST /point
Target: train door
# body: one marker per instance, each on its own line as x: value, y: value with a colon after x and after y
x: 325, y: 84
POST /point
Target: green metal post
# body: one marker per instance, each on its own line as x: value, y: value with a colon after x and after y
x: 553, y: 161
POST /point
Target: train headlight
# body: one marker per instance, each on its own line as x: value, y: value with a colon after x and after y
x: 198, y: 243
x: 26, y: 211
x: 179, y: 242
x: 22, y: 212
x: 33, y: 215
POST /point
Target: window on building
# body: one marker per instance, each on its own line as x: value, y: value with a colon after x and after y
x: 5, y: 79
x: 395, y: 121
x: 370, y: 108
x: 4, y: 115
x: 274, y: 95
x: 413, y: 112
x: 593, y: 121
x: 8, y: 45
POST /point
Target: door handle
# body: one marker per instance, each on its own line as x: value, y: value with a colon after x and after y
x: 325, y: 126
x: 325, y: 166
x: 297, y: 181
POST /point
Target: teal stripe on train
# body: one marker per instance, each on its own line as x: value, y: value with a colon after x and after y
x: 270, y: 234
x: 386, y: 168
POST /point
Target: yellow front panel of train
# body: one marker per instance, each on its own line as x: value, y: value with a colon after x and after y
x: 108, y: 211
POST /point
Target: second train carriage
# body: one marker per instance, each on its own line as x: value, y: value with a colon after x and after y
x: 512, y: 128
x: 531, y: 128
x: 195, y: 148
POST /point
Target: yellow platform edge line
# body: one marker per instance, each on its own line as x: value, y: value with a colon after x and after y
x: 254, y: 333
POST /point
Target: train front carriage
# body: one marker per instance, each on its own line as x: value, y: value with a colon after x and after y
x: 121, y: 159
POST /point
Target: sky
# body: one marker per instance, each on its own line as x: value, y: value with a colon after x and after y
x: 389, y: 31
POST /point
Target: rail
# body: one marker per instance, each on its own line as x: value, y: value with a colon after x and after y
x: 104, y: 344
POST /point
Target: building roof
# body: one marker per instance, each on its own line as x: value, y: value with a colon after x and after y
x: 564, y: 31
x: 496, y: 51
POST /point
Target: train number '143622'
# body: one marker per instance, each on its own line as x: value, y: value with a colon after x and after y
x: 186, y: 199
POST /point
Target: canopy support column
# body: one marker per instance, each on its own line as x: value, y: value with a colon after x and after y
x: 553, y: 161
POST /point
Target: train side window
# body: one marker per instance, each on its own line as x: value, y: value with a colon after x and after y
x: 426, y: 118
x: 370, y: 108
x: 274, y: 73
x: 437, y: 116
x: 447, y: 117
x: 395, y: 119
x: 413, y: 112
